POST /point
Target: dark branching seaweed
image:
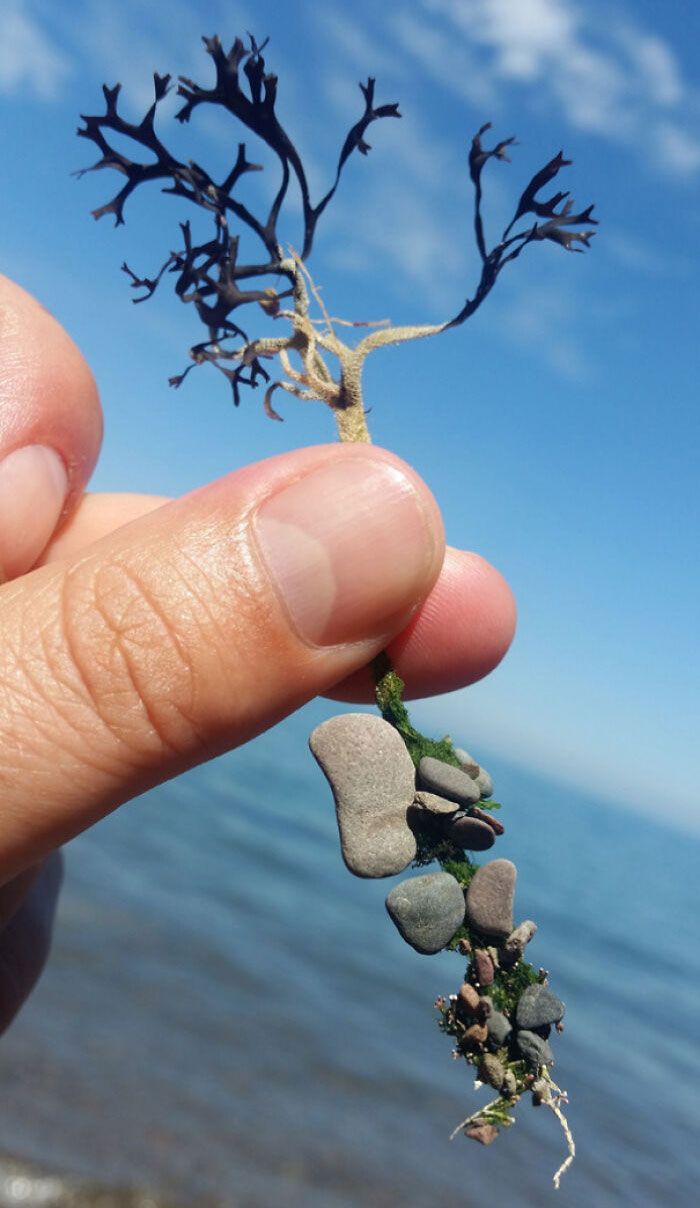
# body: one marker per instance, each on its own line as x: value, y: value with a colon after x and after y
x: 209, y: 274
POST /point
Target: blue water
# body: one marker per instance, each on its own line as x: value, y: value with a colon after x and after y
x: 229, y: 1017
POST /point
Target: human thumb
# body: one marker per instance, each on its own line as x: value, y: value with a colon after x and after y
x: 197, y: 626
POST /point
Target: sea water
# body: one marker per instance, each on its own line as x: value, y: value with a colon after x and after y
x: 229, y: 1017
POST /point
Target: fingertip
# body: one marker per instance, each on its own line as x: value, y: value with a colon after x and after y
x: 459, y: 634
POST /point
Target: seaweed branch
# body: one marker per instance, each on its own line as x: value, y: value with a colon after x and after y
x: 210, y: 275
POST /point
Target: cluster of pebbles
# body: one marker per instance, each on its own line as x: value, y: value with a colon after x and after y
x: 382, y: 801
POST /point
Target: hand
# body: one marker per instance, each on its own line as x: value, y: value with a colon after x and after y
x: 142, y: 636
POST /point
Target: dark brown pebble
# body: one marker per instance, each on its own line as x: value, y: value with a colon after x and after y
x: 484, y: 967
x: 469, y: 833
x: 485, y: 816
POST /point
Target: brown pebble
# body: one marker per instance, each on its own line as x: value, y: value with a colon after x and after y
x: 483, y: 1133
x: 464, y: 947
x: 469, y: 833
x: 434, y: 804
x: 468, y: 998
x: 490, y: 898
x: 491, y: 1071
x: 487, y: 816
x: 509, y: 1083
x: 485, y: 1008
x: 477, y: 1033
x: 484, y: 967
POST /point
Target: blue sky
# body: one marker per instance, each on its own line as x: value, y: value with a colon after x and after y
x: 558, y: 429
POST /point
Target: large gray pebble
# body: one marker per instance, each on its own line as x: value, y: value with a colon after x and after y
x: 427, y: 910
x: 534, y: 1049
x: 538, y: 1007
x: 447, y: 781
x: 490, y: 898
x: 372, y: 778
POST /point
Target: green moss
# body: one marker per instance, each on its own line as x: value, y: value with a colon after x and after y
x: 509, y: 984
x: 389, y: 692
x: 461, y: 868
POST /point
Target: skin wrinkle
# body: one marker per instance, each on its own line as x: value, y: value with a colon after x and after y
x: 125, y: 644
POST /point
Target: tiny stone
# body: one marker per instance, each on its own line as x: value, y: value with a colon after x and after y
x: 538, y: 1007
x: 467, y: 763
x: 434, y: 804
x: 499, y: 1028
x: 491, y: 1071
x: 372, y: 778
x: 487, y: 816
x: 464, y: 947
x: 470, y: 834
x: 427, y: 910
x: 483, y: 1133
x: 509, y: 1084
x: 477, y: 1033
x: 484, y: 783
x: 518, y: 940
x: 534, y: 1049
x: 490, y: 898
x: 485, y: 1007
x: 447, y: 781
x: 484, y: 967
x: 468, y: 998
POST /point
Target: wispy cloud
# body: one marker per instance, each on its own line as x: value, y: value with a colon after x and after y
x: 29, y: 62
x: 611, y: 77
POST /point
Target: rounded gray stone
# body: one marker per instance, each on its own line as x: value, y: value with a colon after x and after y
x: 427, y: 910
x: 534, y: 1049
x: 434, y: 804
x: 537, y: 1007
x: 490, y: 898
x: 467, y: 763
x: 372, y: 778
x: 447, y: 781
x: 484, y: 783
x: 499, y: 1028
x: 470, y: 834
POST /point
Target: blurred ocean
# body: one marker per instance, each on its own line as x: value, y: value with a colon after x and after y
x: 230, y: 1018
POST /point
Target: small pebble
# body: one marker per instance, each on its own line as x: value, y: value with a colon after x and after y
x: 470, y: 834
x: 477, y: 1033
x: 499, y: 1028
x: 447, y: 781
x: 467, y: 763
x: 434, y: 804
x: 534, y: 1049
x: 484, y: 783
x: 483, y: 1133
x: 518, y: 940
x: 427, y: 910
x: 372, y: 778
x: 485, y: 1007
x: 488, y: 816
x: 509, y: 1084
x: 538, y: 1007
x: 491, y: 1071
x: 484, y: 967
x: 490, y: 898
x: 468, y: 999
